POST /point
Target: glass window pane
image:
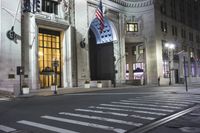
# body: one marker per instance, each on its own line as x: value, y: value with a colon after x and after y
x: 58, y: 39
x: 45, y: 37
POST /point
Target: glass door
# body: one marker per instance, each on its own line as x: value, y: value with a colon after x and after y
x: 49, y: 49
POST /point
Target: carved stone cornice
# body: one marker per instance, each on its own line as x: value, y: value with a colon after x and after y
x: 134, y: 3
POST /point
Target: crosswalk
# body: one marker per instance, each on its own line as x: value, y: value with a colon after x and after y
x: 112, y: 116
x: 4, y: 99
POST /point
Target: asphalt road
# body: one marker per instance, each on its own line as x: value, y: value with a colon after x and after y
x: 97, y: 112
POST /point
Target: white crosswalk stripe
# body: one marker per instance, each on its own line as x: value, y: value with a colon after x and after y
x: 155, y: 103
x: 116, y: 114
x: 102, y: 112
x: 149, y: 105
x: 129, y: 110
x: 117, y: 130
x: 102, y: 119
x: 179, y: 100
x: 4, y: 99
x: 135, y: 107
x: 6, y: 129
x: 46, y: 127
x: 158, y: 100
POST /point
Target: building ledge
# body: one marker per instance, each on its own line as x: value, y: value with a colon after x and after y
x: 51, y: 20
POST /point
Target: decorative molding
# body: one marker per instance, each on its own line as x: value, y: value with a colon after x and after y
x: 134, y: 3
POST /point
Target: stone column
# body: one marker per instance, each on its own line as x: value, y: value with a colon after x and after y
x: 29, y: 50
x: 119, y: 50
x: 82, y: 27
x: 67, y: 57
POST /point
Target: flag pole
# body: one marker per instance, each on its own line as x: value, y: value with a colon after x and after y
x: 86, y: 33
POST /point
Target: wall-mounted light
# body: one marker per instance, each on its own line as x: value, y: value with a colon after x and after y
x: 170, y: 45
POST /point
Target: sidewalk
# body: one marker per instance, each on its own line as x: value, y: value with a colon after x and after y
x: 60, y: 91
x: 180, y: 89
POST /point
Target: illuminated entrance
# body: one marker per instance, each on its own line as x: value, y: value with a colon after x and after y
x: 49, y: 49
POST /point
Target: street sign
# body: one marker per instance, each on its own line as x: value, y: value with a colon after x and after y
x: 20, y: 70
x: 11, y: 35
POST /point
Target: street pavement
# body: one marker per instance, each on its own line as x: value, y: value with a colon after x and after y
x: 106, y: 111
x: 188, y: 123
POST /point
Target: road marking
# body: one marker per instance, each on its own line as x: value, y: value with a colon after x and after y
x: 150, y: 105
x: 175, y: 97
x: 142, y: 117
x: 157, y: 100
x: 134, y: 107
x: 4, y: 99
x: 6, y: 129
x: 129, y: 110
x: 178, y: 99
x: 117, y: 130
x: 102, y: 119
x: 47, y: 127
x: 102, y: 112
x: 157, y: 103
x: 117, y: 114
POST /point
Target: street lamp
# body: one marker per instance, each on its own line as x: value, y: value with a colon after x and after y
x: 55, y: 64
x: 169, y: 46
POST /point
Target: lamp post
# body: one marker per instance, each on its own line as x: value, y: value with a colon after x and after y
x: 169, y: 46
x: 55, y: 65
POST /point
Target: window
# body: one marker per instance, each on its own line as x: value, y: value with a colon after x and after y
x: 49, y: 49
x: 183, y: 33
x: 173, y: 9
x: 50, y: 6
x: 197, y: 38
x: 182, y: 11
x: 190, y: 36
x: 132, y: 27
x: 164, y: 26
x: 133, y: 50
x: 193, y: 69
x: 163, y: 7
x: 191, y: 52
x: 165, y: 69
x: 174, y: 31
x: 138, y: 70
x: 165, y: 60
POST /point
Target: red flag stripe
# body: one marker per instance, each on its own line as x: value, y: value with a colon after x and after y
x: 99, y: 16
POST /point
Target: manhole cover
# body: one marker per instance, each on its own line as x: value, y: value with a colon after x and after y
x: 190, y: 129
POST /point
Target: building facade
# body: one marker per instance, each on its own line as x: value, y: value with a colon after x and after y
x: 64, y: 37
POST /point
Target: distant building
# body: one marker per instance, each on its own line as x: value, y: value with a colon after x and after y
x: 132, y: 48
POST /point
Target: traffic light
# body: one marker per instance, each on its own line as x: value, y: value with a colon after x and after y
x: 37, y: 6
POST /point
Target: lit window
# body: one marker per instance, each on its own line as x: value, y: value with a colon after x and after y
x: 164, y: 26
x: 132, y: 27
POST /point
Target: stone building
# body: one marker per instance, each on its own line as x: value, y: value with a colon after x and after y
x: 131, y: 48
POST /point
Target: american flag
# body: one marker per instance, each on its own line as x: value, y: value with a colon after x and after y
x: 99, y: 15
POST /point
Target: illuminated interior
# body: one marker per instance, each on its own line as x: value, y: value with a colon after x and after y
x: 49, y: 49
